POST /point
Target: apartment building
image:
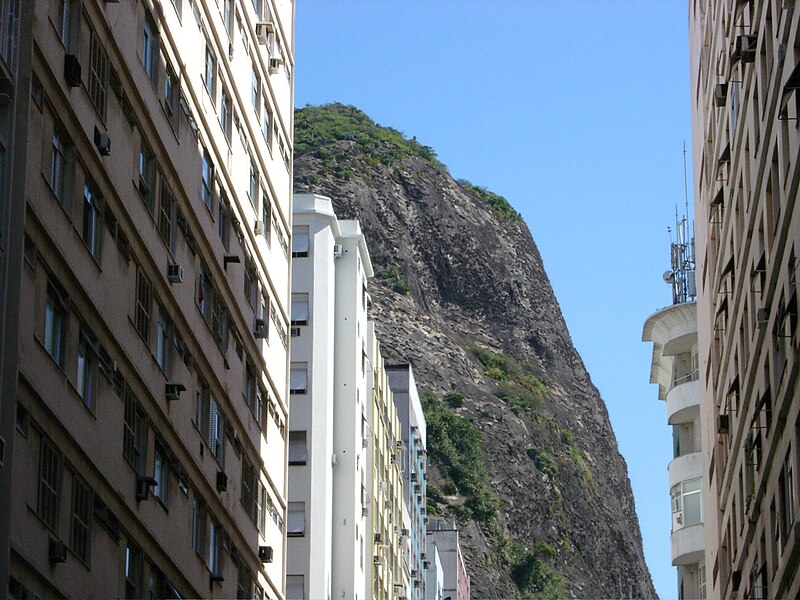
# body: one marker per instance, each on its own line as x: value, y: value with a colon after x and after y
x: 384, y: 481
x: 443, y: 544
x: 149, y: 422
x: 745, y: 73
x: 413, y: 469
x: 673, y: 332
x: 329, y: 461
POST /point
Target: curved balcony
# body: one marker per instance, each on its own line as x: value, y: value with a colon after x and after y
x: 686, y: 467
x: 683, y: 401
x: 688, y: 545
x: 672, y: 330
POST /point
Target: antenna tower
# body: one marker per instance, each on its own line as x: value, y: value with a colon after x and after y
x: 681, y: 275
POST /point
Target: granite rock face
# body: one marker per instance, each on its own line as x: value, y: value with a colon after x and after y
x: 455, y: 273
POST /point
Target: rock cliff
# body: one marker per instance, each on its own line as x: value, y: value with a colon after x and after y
x: 521, y: 449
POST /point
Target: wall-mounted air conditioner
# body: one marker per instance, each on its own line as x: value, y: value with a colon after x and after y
x: 265, y: 554
x: 744, y: 48
x: 258, y: 229
x: 57, y: 551
x: 222, y: 481
x: 720, y: 94
x: 723, y: 424
x: 260, y: 329
x: 174, y: 273
x: 274, y: 65
x: 72, y: 70
x: 263, y: 30
x: 337, y: 251
x: 172, y: 390
x: 103, y: 142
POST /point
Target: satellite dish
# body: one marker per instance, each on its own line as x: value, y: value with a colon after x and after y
x: 669, y: 277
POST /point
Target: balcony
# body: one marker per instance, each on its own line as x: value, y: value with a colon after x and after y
x: 686, y: 467
x: 688, y: 545
x: 683, y: 401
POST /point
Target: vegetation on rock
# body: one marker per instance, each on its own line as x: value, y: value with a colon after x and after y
x: 455, y: 446
x: 517, y: 385
x: 392, y: 277
x: 533, y: 572
x: 497, y: 203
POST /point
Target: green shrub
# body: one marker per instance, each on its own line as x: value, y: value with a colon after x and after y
x: 454, y: 399
x: 498, y: 204
x: 392, y: 277
x: 535, y: 576
x: 543, y: 460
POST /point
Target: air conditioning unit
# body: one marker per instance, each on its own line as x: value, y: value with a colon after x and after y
x: 365, y: 442
x: 258, y: 229
x: 260, y: 329
x: 172, y: 391
x: 274, y: 65
x: 413, y: 475
x: 337, y: 251
x: 414, y: 572
x: 404, y: 532
x: 265, y: 554
x: 723, y: 424
x: 423, y: 556
x: 762, y: 316
x: 222, y: 481
x: 378, y: 538
x: 720, y: 94
x: 263, y: 31
x: 294, y: 332
x: 364, y: 511
x: 426, y: 564
x: 377, y: 560
x: 143, y: 485
x: 174, y: 273
x: 57, y: 551
x: 745, y: 48
x: 103, y: 142
x: 72, y: 70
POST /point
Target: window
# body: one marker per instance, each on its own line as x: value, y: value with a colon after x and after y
x: 296, y: 519
x: 161, y: 473
x: 250, y: 284
x: 164, y: 343
x: 786, y: 490
x: 211, y: 422
x: 260, y: 408
x: 133, y: 571
x: 166, y: 214
x: 255, y: 91
x: 261, y: 508
x: 92, y: 220
x: 87, y: 369
x: 49, y: 483
x: 147, y: 175
x: 686, y: 504
x: 81, y: 521
x: 227, y: 15
x: 299, y: 309
x: 266, y: 216
x: 249, y: 388
x: 149, y: 45
x: 199, y: 516
x: 298, y: 378
x: 223, y: 220
x: 171, y: 96
x: 98, y: 74
x: 248, y: 497
x: 208, y: 179
x: 216, y: 536
x: 295, y: 587
x: 300, y: 241
x: 144, y: 304
x: 266, y: 124
x: 297, y: 448
x: 211, y: 70
x: 134, y: 438
x: 58, y: 165
x: 225, y: 113
x: 65, y: 22
x: 244, y: 581
x: 55, y: 323
x: 253, y: 192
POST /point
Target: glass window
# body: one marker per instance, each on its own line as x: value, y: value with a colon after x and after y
x: 248, y: 496
x: 266, y: 216
x: 249, y: 388
x: 58, y: 165
x: 144, y: 304
x: 134, y: 433
x: 49, y: 483
x: 686, y: 504
x: 296, y: 519
x: 92, y: 220
x: 295, y: 587
x: 171, y: 95
x: 223, y: 220
x: 81, y: 521
x: 211, y: 70
x: 133, y: 571
x: 147, y: 174
x: 98, y: 74
x: 255, y: 92
x: 300, y: 241
x: 207, y: 179
x: 199, y: 516
x: 298, y: 378
x: 253, y: 191
x: 216, y: 536
x: 266, y: 124
x: 298, y: 454
x: 225, y: 114
x: 299, y: 309
x: 148, y: 46
x: 87, y: 365
x: 163, y: 343
x: 65, y: 22
x: 161, y: 473
x: 55, y: 323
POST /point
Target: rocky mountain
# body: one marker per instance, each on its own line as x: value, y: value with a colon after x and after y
x: 521, y: 450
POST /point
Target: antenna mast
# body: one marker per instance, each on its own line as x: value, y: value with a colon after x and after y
x: 681, y: 275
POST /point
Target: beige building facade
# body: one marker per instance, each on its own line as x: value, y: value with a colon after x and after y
x: 150, y: 421
x: 745, y: 70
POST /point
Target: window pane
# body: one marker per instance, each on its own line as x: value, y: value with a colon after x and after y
x: 297, y: 448
x: 300, y: 241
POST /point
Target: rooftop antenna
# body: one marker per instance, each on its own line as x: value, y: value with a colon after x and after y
x: 681, y: 274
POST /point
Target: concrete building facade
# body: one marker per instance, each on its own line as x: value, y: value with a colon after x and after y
x: 413, y: 468
x: 149, y: 440
x: 745, y: 72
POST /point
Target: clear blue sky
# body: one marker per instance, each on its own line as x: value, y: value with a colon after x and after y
x: 574, y: 110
